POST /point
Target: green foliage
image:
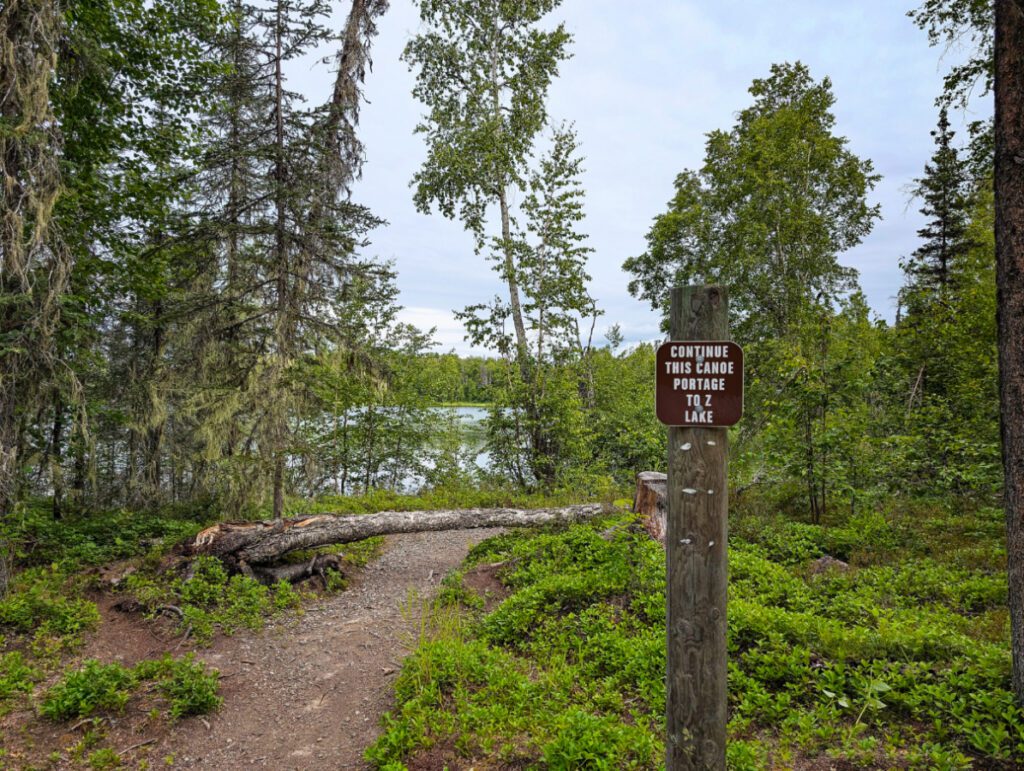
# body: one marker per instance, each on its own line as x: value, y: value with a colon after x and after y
x: 536, y: 431
x: 462, y: 381
x: 484, y: 496
x: 15, y: 676
x: 210, y: 600
x: 370, y: 431
x: 625, y: 433
x: 970, y: 25
x: 583, y: 740
x: 810, y: 405
x: 94, y: 686
x: 944, y: 368
x: 187, y: 686
x: 882, y: 664
x: 103, y: 759
x: 479, y: 130
x: 93, y: 538
x: 840, y: 409
x: 483, y: 70
x: 749, y: 221
x: 40, y: 602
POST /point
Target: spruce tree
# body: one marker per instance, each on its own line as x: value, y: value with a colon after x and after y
x: 289, y: 284
x: 946, y: 192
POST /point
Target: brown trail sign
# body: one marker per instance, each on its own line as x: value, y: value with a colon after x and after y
x: 699, y: 390
x: 699, y: 383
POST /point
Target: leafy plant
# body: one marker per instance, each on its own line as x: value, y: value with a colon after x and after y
x: 94, y: 686
x: 188, y: 687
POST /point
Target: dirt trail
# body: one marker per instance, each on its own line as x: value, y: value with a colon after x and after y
x: 308, y: 694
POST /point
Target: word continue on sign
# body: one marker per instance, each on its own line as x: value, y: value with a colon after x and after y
x: 699, y: 383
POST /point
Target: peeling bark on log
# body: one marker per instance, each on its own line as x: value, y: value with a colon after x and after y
x: 249, y: 544
x: 651, y: 502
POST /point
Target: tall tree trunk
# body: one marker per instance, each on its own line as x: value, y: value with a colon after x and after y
x: 812, y: 495
x: 57, y: 456
x: 79, y: 474
x: 279, y: 486
x: 130, y: 481
x: 514, y: 303
x: 233, y: 221
x: 371, y: 436
x: 1009, y: 226
x: 278, y: 417
x: 824, y: 455
x: 8, y: 445
x: 154, y: 426
x: 344, y: 454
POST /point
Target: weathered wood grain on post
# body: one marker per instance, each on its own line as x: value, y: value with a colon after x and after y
x: 695, y: 551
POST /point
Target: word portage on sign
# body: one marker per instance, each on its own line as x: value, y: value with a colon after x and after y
x: 699, y: 383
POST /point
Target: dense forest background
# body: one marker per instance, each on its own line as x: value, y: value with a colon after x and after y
x: 191, y: 314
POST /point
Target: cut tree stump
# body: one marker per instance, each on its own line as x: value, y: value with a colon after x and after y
x: 246, y: 546
x: 651, y: 502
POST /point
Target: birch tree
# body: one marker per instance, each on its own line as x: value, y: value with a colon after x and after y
x: 483, y: 68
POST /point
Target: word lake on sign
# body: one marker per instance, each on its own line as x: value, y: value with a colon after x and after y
x: 699, y: 383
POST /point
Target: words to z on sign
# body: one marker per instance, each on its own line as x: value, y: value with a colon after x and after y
x: 699, y: 383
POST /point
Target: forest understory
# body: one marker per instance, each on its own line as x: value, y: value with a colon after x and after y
x: 877, y: 642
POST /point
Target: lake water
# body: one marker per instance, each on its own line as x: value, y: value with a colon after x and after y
x: 471, y: 424
x: 471, y: 421
x: 468, y: 415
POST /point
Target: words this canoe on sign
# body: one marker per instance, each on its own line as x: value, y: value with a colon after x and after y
x: 699, y: 383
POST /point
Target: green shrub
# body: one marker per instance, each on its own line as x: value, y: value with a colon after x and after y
x: 94, y: 538
x: 103, y: 759
x: 583, y: 740
x: 94, y: 686
x: 15, y: 675
x: 206, y: 585
x: 187, y: 686
x: 209, y: 599
x: 42, y: 602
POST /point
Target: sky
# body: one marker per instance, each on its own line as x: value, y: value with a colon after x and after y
x: 647, y: 80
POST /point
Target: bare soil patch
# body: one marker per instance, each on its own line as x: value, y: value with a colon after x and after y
x: 484, y: 581
x: 306, y: 693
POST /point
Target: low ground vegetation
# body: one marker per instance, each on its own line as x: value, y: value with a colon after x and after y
x: 547, y: 648
x: 898, y: 659
x: 62, y: 570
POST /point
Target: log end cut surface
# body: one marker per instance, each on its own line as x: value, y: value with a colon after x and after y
x: 650, y: 502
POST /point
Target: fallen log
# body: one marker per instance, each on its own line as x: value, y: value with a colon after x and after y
x: 244, y: 544
x: 651, y: 502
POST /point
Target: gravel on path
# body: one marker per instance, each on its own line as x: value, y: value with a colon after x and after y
x: 308, y: 694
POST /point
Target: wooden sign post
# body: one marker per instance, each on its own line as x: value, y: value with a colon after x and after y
x: 701, y: 378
